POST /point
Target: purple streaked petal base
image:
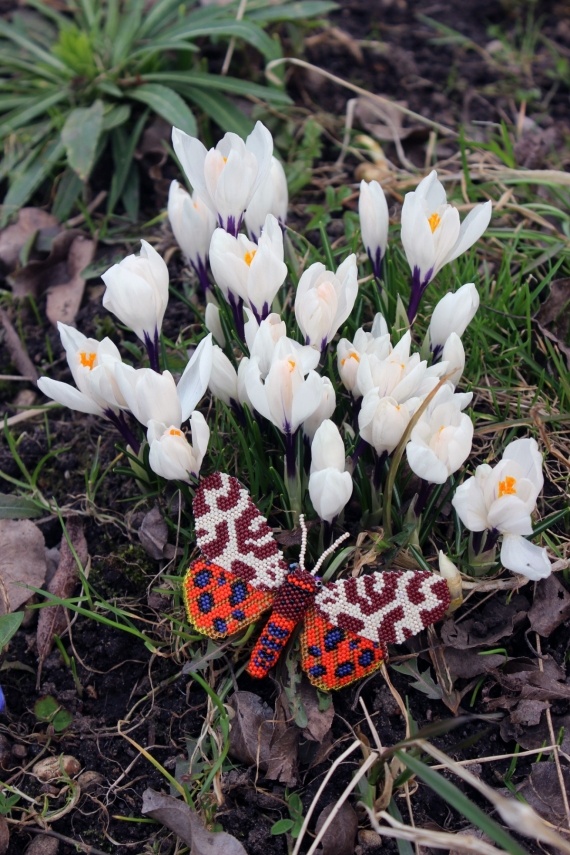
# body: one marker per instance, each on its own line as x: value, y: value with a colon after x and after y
x: 419, y: 285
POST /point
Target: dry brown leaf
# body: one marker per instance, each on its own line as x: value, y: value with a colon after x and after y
x: 534, y: 736
x: 17, y: 350
x: 494, y: 621
x: 319, y: 721
x: 263, y: 738
x: 524, y: 677
x: 384, y: 121
x: 542, y: 791
x: 551, y: 606
x: 59, y: 274
x: 4, y: 836
x: 188, y: 826
x: 22, y: 562
x: 52, y: 620
x: 469, y: 663
x: 15, y: 236
x: 43, y: 845
x: 339, y: 838
x: 153, y: 533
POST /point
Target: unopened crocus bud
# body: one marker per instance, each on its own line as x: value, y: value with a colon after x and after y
x: 213, y: 324
x: 452, y: 576
x: 453, y: 314
x: 223, y: 378
x: 137, y: 293
x: 271, y: 197
x: 374, y: 220
x: 330, y: 486
x: 324, y: 300
x: 192, y: 223
x: 324, y: 411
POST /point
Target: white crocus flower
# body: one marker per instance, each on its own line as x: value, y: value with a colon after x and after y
x: 324, y: 411
x: 193, y: 224
x: 502, y: 499
x: 324, y: 300
x: 272, y: 197
x: 453, y: 355
x: 441, y: 440
x: 227, y: 176
x: 92, y: 364
x: 374, y: 221
x: 171, y: 455
x: 248, y: 271
x: 149, y: 395
x: 453, y: 314
x: 375, y: 343
x: 137, y: 294
x: 432, y: 234
x: 153, y: 396
x: 287, y: 398
x: 400, y: 375
x: 223, y: 378
x: 330, y: 487
x: 213, y: 324
x: 382, y: 421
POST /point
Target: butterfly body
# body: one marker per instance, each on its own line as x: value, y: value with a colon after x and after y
x: 345, y: 625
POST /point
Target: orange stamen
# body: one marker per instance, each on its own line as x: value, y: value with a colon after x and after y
x: 249, y: 256
x: 507, y: 487
x: 434, y: 221
x: 87, y: 360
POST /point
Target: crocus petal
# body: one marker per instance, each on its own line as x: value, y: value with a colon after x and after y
x: 329, y: 490
x: 521, y: 556
x: 69, y: 396
x: 194, y: 381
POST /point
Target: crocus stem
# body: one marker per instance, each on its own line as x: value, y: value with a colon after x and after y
x: 152, y: 350
x: 292, y: 479
x: 419, y: 285
x: 423, y: 496
x: 360, y: 446
x: 120, y: 422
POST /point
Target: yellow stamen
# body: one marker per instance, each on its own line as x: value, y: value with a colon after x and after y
x: 249, y: 256
x: 292, y: 365
x: 508, y: 486
x: 351, y: 355
x: 434, y: 221
x: 87, y: 360
x: 174, y: 432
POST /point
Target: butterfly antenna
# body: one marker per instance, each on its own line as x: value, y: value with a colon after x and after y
x: 328, y: 551
x: 303, y: 541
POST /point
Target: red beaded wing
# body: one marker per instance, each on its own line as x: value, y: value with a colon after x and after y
x: 346, y: 625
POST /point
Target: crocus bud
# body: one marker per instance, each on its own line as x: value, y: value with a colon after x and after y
x: 137, y: 292
x: 324, y: 300
x: 374, y: 220
x: 227, y: 176
x: 330, y: 487
x: 193, y: 224
x: 324, y: 411
x: 452, y: 576
x: 213, y: 324
x: 223, y: 379
x: 453, y: 313
x: 271, y: 197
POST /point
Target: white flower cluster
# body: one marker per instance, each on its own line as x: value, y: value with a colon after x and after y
x: 397, y: 395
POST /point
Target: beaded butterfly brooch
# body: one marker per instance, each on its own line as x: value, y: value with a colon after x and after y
x: 346, y: 625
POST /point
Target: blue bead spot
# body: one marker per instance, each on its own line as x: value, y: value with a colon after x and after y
x: 317, y: 670
x: 202, y: 578
x: 238, y: 594
x: 352, y: 645
x: 344, y: 669
x: 277, y: 631
x: 333, y: 638
x: 314, y: 650
x: 238, y: 614
x: 205, y: 603
x: 220, y: 625
x: 221, y: 580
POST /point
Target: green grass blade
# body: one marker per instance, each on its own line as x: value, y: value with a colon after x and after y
x: 40, y: 106
x: 298, y: 11
x: 123, y: 147
x: 166, y: 103
x: 461, y: 803
x: 158, y: 17
x: 9, y: 625
x: 80, y: 136
x: 18, y: 508
x: 186, y: 82
x: 127, y: 32
x: 248, y: 32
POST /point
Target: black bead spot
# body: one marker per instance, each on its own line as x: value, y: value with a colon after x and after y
x: 317, y: 670
x: 333, y: 638
x: 205, y: 603
x: 315, y: 651
x: 344, y: 669
x: 238, y: 614
x: 220, y: 625
x: 239, y: 593
x: 366, y: 658
x: 203, y: 578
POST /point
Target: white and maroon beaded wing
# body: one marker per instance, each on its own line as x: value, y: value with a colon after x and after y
x: 232, y: 532
x: 346, y: 632
x: 242, y: 566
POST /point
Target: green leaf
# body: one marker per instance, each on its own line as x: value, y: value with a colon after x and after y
x: 167, y: 104
x: 282, y: 826
x: 68, y: 191
x: 31, y: 109
x: 462, y: 803
x: 9, y: 625
x: 250, y: 33
x: 222, y: 111
x: 29, y: 177
x: 116, y: 116
x: 123, y: 146
x: 18, y: 508
x: 186, y: 81
x: 80, y: 135
x: 291, y: 11
x: 9, y: 32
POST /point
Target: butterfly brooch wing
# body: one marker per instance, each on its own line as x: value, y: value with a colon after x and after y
x: 346, y: 632
x: 241, y: 566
